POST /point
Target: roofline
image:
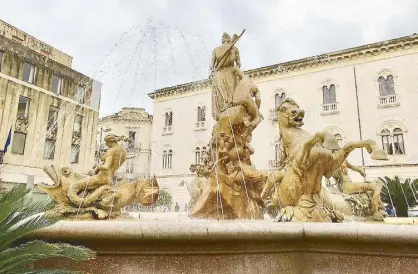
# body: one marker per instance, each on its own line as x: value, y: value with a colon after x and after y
x: 4, y: 22
x: 311, y: 61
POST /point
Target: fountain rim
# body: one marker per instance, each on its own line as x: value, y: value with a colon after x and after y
x: 204, y: 230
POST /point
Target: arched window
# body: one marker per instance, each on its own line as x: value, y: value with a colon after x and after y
x: 170, y: 158
x: 164, y: 159
x: 201, y: 114
x: 279, y: 98
x: 329, y: 95
x: 386, y: 142
x: 393, y: 141
x: 398, y: 142
x: 339, y: 139
x: 386, y: 85
x: 168, y: 118
x: 199, y: 117
x: 198, y: 156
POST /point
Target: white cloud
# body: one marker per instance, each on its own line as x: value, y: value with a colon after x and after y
x: 177, y: 45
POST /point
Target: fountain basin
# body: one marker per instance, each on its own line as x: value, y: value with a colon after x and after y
x: 192, y: 246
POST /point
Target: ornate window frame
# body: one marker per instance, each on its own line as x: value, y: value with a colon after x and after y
x: 390, y: 100
x: 273, y: 115
x: 200, y: 148
x: 200, y: 124
x: 167, y: 155
x: 331, y: 108
x: 167, y: 128
x: 390, y: 126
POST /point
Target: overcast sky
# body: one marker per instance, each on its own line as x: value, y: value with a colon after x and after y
x: 135, y: 46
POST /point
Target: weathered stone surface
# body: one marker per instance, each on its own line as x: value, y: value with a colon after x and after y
x: 238, y: 247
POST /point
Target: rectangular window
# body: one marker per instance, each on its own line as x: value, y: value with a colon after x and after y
x: 49, y: 149
x: 78, y: 120
x: 19, y: 140
x: 56, y: 84
x: 132, y: 136
x: 75, y: 152
x: 23, y: 107
x: 29, y: 73
x: 80, y: 94
x: 1, y: 59
x: 52, y: 118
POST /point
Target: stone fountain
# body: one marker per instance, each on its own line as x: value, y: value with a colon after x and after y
x: 228, y: 187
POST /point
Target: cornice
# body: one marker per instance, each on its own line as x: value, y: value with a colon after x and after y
x: 123, y: 116
x: 368, y: 50
x: 122, y: 120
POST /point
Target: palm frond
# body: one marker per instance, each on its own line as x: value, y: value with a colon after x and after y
x: 12, y: 201
x: 27, y: 209
x: 14, y: 260
x: 20, y: 229
x: 399, y: 194
x: 19, y: 215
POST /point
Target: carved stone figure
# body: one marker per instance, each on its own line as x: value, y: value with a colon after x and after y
x: 107, y: 205
x: 93, y: 194
x: 195, y: 186
x: 21, y: 124
x: 232, y: 189
x: 224, y: 60
x: 364, y: 198
x: 307, y: 158
x: 101, y: 177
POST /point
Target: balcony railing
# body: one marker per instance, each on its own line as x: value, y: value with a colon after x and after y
x: 200, y: 125
x: 389, y: 101
x: 133, y: 145
x: 167, y: 130
x: 329, y: 108
x: 273, y: 115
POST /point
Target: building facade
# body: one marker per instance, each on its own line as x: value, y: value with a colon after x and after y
x: 367, y: 92
x: 136, y: 124
x: 50, y: 110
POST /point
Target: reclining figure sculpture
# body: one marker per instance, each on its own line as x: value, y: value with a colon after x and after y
x: 92, y: 196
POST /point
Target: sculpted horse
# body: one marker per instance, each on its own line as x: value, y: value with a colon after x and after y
x: 308, y: 157
x: 106, y: 205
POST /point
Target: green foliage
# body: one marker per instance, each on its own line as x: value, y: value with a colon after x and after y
x: 19, y: 215
x: 164, y: 198
x: 399, y: 194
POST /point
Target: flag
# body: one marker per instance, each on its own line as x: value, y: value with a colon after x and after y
x: 6, y: 145
x: 8, y: 141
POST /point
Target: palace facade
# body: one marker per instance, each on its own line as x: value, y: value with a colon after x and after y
x: 50, y: 110
x: 366, y: 92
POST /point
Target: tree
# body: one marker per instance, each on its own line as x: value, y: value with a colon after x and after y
x: 164, y: 198
x: 19, y: 215
x: 400, y: 195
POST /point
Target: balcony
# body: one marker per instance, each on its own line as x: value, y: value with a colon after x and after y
x: 134, y: 146
x: 273, y: 115
x: 200, y: 125
x: 331, y: 108
x: 167, y: 130
x: 386, y: 101
x: 273, y: 164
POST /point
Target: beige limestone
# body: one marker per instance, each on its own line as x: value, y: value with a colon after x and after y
x: 238, y: 247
